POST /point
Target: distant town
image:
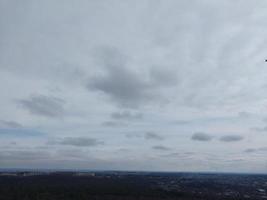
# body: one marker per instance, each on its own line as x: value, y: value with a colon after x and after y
x: 78, y: 185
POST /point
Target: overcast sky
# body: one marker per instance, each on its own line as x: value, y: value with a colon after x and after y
x: 134, y: 85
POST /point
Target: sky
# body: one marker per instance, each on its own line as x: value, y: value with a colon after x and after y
x: 151, y: 85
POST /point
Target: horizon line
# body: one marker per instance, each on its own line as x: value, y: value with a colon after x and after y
x: 124, y: 171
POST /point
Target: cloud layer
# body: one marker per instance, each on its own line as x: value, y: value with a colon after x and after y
x: 120, y: 84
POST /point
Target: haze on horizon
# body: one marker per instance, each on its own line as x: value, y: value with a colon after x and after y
x: 134, y: 85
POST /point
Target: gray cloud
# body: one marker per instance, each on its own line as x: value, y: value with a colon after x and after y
x: 127, y: 115
x: 153, y: 136
x: 175, y: 154
x: 113, y: 124
x: 179, y: 155
x: 181, y: 122
x: 125, y: 86
x: 231, y: 138
x: 259, y: 129
x: 161, y: 148
x: 199, y: 136
x: 161, y: 77
x: 244, y: 114
x: 254, y: 150
x: 250, y: 150
x: 263, y: 149
x: 80, y: 141
x: 133, y: 135
x: 13, y: 143
x: 9, y: 124
x: 43, y: 105
x: 122, y: 85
